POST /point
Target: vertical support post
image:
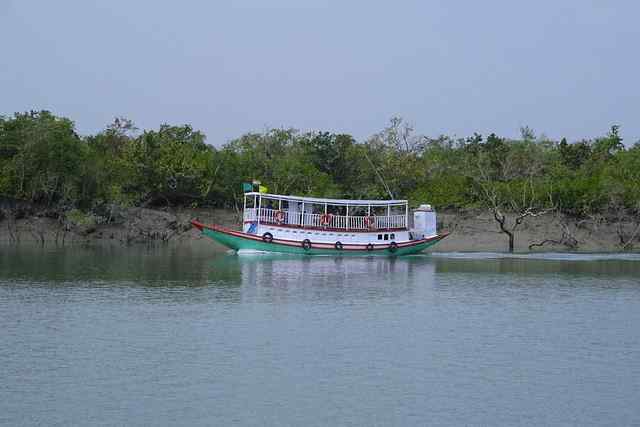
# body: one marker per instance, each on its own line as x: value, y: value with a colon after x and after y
x: 259, y: 206
x: 244, y: 209
x: 406, y: 215
x: 347, y: 218
x: 302, y: 216
x: 388, y: 221
x: 325, y: 212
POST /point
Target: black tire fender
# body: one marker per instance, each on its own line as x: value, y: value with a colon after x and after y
x: 370, y: 247
x: 393, y: 246
x: 338, y: 246
x: 267, y: 237
x: 306, y: 244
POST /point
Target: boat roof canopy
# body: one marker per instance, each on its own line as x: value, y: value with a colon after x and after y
x: 342, y: 202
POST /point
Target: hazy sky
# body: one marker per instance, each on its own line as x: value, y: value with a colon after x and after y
x: 564, y: 68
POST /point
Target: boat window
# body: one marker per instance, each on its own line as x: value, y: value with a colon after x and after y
x: 386, y: 237
x: 393, y: 236
x: 379, y: 236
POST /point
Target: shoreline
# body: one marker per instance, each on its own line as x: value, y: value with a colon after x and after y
x: 471, y: 231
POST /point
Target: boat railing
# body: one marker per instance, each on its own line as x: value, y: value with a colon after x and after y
x: 321, y: 221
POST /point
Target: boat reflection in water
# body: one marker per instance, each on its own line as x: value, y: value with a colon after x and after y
x: 333, y: 277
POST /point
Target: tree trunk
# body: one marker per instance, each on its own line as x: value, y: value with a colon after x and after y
x: 502, y: 219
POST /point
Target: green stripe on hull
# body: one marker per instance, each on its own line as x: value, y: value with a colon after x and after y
x: 238, y: 243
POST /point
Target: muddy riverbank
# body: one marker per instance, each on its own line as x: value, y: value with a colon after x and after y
x: 470, y: 230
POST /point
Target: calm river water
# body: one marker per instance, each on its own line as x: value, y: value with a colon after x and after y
x: 188, y: 336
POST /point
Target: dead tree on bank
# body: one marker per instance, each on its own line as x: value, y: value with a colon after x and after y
x: 509, y: 224
x: 503, y: 176
x: 626, y: 238
x: 567, y: 239
x: 626, y: 218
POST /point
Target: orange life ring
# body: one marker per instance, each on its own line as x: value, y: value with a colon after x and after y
x: 325, y: 219
x: 370, y: 222
x: 279, y: 217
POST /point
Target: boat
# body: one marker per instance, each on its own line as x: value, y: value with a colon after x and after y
x: 317, y: 226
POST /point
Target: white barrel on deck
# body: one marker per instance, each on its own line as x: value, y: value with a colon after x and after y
x: 424, y: 221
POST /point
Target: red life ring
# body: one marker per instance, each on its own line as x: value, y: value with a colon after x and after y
x: 279, y: 217
x: 325, y: 219
x: 370, y: 222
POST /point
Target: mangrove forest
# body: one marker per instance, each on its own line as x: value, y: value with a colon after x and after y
x: 44, y: 161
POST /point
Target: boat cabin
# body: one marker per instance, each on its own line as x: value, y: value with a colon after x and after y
x: 327, y: 220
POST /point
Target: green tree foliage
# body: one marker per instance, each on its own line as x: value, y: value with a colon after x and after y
x: 172, y: 165
x: 43, y: 160
x: 574, y: 155
x: 108, y: 171
x: 282, y: 159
